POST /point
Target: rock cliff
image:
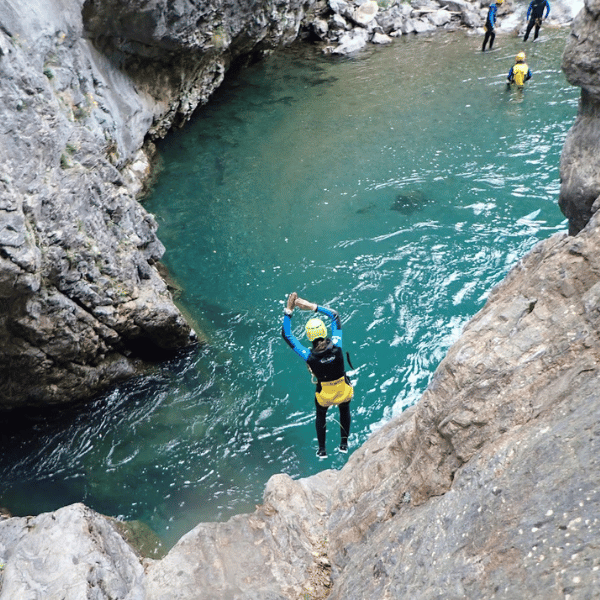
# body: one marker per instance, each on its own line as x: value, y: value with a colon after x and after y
x: 487, y: 488
x: 85, y: 86
x: 580, y: 161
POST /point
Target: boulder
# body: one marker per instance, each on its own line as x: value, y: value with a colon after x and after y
x: 381, y: 38
x: 390, y: 21
x: 408, y: 26
x: 342, y: 8
x: 351, y: 42
x: 365, y: 13
x: 472, y: 19
x: 458, y: 6
x: 439, y: 18
x: 72, y: 553
x: 338, y: 23
x: 321, y: 28
x: 423, y: 25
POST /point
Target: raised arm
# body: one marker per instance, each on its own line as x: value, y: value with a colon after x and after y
x: 336, y: 324
x: 286, y: 329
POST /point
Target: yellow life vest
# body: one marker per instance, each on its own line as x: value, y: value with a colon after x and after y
x: 519, y: 73
x: 334, y: 392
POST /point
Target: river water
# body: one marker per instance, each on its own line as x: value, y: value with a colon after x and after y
x: 397, y: 186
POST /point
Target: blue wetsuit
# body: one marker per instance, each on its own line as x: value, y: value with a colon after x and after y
x: 535, y: 14
x: 489, y: 26
x: 326, y: 363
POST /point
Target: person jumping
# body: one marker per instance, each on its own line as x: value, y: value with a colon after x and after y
x: 325, y: 361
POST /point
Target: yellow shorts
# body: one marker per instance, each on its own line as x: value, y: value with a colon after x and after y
x: 334, y: 392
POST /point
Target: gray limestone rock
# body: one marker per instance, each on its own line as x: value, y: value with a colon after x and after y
x: 580, y: 159
x: 342, y: 8
x: 381, y: 38
x: 338, y: 23
x: 423, y: 25
x: 439, y: 18
x: 390, y: 22
x: 321, y: 28
x: 85, y: 84
x: 278, y: 552
x: 74, y: 241
x: 352, y: 41
x: 366, y: 12
x: 72, y: 553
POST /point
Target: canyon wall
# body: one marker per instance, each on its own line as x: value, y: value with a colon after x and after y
x: 580, y: 161
x: 86, y: 86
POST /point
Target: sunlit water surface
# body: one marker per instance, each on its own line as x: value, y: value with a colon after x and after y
x: 398, y: 186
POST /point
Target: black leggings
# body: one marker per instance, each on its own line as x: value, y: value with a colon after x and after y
x: 322, y: 427
x: 533, y: 22
x: 489, y: 35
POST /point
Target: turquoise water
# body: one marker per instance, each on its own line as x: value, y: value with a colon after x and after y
x: 397, y: 186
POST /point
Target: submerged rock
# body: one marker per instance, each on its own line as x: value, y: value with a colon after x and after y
x: 409, y: 201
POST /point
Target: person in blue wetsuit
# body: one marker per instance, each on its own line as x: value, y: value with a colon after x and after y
x: 490, y: 23
x: 325, y: 361
x: 535, y: 14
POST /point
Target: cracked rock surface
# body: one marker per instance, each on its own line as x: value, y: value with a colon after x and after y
x: 85, y: 86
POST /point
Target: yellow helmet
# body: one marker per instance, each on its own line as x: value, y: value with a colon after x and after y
x: 315, y: 328
x: 520, y: 57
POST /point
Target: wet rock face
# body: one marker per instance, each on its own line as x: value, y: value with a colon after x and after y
x: 580, y: 160
x: 77, y: 252
x: 178, y: 52
x: 84, y: 84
